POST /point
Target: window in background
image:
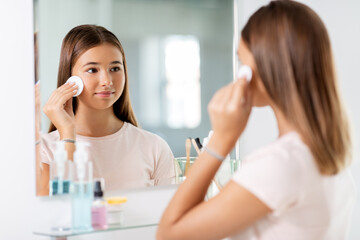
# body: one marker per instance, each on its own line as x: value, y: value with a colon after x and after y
x: 170, y: 82
x: 182, y: 88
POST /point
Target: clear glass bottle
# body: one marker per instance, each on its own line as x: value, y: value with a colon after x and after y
x: 98, y: 210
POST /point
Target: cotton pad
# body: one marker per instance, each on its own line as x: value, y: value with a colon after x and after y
x: 77, y: 80
x: 245, y: 72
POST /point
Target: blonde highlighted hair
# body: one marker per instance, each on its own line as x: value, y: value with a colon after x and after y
x: 294, y: 59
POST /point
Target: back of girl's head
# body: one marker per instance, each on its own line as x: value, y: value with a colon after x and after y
x: 292, y: 51
x: 75, y: 43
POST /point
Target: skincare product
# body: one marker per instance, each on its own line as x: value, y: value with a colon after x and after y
x: 98, y: 210
x: 115, y: 212
x: 82, y: 194
x: 245, y: 72
x: 60, y: 171
x: 77, y: 80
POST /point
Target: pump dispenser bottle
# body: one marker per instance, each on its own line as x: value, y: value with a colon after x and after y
x: 60, y: 171
x: 98, y: 210
x: 82, y: 195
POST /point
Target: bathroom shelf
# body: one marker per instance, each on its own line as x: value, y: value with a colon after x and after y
x: 62, y: 233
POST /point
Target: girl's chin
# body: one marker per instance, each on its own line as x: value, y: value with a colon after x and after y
x: 99, y: 106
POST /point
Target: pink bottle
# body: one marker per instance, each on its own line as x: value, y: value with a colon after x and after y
x: 98, y: 209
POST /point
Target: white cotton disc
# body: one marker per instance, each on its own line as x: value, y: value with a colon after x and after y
x: 77, y: 80
x: 245, y: 72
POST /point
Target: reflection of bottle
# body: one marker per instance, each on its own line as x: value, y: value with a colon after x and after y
x: 82, y: 189
x: 115, y: 213
x: 60, y: 171
x: 98, y: 210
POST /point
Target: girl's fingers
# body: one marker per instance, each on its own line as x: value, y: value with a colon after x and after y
x: 240, y: 88
x: 67, y: 96
x: 228, y: 93
x: 216, y: 99
x: 66, y: 88
x: 62, y: 94
x: 68, y: 105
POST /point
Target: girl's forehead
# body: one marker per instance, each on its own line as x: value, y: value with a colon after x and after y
x: 104, y: 52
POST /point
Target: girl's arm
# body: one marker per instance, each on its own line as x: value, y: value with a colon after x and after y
x: 59, y: 110
x: 164, y: 170
x: 42, y: 181
x: 188, y: 216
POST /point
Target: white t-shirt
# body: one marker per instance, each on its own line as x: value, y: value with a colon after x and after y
x: 131, y: 157
x: 305, y: 204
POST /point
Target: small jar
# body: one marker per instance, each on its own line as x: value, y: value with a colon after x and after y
x: 115, y: 212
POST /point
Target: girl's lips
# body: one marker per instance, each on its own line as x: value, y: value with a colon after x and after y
x: 104, y: 94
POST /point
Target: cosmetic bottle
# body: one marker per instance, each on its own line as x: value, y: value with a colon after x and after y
x: 60, y: 171
x: 98, y: 210
x: 82, y: 191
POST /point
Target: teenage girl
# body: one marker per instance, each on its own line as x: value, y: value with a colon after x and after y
x: 121, y: 152
x: 299, y: 186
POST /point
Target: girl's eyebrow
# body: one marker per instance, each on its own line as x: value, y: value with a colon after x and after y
x: 96, y: 63
x: 116, y: 62
x: 90, y: 63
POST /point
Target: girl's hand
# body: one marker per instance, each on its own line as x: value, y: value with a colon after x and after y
x: 59, y: 109
x: 229, y: 111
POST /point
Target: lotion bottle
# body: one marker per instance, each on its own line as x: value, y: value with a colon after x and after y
x: 60, y: 171
x: 82, y: 194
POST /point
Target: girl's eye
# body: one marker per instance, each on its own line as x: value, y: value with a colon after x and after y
x: 92, y: 70
x: 115, y: 69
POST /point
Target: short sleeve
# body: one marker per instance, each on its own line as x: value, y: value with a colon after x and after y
x: 274, y: 176
x: 164, y: 164
x: 48, y: 146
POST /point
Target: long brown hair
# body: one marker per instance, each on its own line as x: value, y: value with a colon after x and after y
x: 292, y: 51
x: 75, y: 43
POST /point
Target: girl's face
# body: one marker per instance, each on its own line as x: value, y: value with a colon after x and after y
x: 102, y: 70
x: 260, y: 96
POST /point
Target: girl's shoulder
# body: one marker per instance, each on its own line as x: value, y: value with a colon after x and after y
x: 287, y: 157
x: 287, y: 147
x: 137, y: 131
x: 49, y: 138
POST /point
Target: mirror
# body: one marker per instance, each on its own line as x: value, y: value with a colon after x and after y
x: 178, y: 53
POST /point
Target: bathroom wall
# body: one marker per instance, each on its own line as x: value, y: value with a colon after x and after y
x: 342, y: 21
x: 17, y: 173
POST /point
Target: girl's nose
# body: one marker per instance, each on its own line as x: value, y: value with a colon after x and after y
x: 106, y: 80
